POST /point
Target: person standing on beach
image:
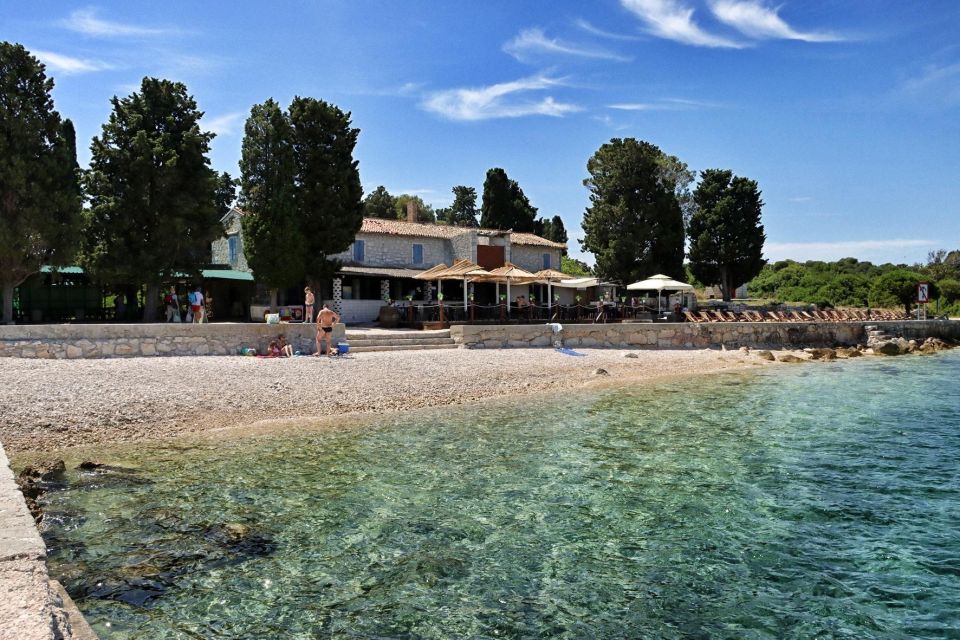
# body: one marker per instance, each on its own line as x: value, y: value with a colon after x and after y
x: 196, y: 305
x: 325, y: 321
x: 308, y: 301
x: 173, y: 304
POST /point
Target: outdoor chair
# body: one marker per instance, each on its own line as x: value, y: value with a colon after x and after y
x: 691, y: 317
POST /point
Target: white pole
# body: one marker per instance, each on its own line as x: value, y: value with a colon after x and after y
x: 549, y: 298
x: 508, y: 298
x: 439, y: 288
x: 464, y: 297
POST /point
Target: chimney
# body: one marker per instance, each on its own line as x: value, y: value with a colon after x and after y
x: 411, y: 211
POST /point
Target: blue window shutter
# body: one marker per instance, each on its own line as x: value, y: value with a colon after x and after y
x: 232, y: 243
x: 546, y: 261
x: 358, y: 250
x: 418, y: 254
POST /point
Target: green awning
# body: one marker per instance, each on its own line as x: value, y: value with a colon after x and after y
x: 49, y: 269
x: 226, y: 274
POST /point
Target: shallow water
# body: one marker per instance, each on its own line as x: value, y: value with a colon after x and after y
x: 816, y: 501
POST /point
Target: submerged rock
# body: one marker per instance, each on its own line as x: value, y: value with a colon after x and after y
x: 35, y: 480
x: 822, y: 354
x: 765, y: 355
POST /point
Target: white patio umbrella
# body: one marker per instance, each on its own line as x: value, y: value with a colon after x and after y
x: 659, y: 283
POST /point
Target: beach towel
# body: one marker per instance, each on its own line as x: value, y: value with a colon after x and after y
x: 570, y: 352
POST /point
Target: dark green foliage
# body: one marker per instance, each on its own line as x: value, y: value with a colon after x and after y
x: 898, y: 287
x: 226, y: 192
x: 463, y: 212
x: 301, y: 188
x: 380, y: 204
x: 424, y: 211
x: 273, y: 242
x: 574, y: 267
x: 949, y: 290
x: 40, y: 193
x: 942, y: 264
x: 634, y: 224
x: 558, y: 232
x: 845, y: 283
x: 726, y: 237
x: 153, y: 196
x: 504, y: 204
x: 328, y: 181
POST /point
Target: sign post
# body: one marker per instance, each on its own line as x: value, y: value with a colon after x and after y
x: 923, y: 298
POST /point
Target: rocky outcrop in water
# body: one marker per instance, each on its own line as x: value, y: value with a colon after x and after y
x: 35, y: 480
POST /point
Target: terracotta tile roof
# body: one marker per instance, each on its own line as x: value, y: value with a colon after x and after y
x: 428, y: 230
x: 529, y: 238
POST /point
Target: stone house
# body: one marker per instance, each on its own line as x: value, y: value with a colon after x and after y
x: 386, y: 255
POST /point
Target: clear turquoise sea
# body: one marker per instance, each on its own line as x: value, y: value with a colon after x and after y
x: 817, y: 501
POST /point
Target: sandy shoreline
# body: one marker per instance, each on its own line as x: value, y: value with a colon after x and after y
x: 57, y: 404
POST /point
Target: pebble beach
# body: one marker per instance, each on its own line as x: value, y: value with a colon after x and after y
x: 56, y: 404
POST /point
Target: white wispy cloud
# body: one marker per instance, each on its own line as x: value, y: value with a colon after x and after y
x: 85, y: 21
x: 672, y: 20
x: 226, y: 124
x: 534, y: 41
x: 844, y: 248
x: 936, y: 85
x: 665, y: 104
x: 582, y: 24
x: 68, y: 65
x: 752, y: 18
x: 498, y: 101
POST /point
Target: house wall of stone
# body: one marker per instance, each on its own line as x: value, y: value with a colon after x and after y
x: 220, y: 248
x: 464, y: 246
x: 530, y: 257
x: 382, y: 250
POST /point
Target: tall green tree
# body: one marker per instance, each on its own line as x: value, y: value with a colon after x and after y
x: 329, y: 194
x: 634, y: 224
x: 899, y: 287
x: 425, y: 212
x: 726, y: 236
x: 504, y: 205
x: 40, y: 194
x: 380, y: 204
x: 558, y: 233
x: 273, y: 242
x: 463, y: 212
x: 153, y: 196
x: 226, y: 193
x: 678, y: 177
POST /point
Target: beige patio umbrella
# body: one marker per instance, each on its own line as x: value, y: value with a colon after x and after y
x: 508, y: 273
x: 431, y: 273
x: 465, y: 270
x: 550, y: 276
x: 658, y: 283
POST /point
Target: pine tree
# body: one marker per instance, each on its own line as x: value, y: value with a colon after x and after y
x: 380, y: 204
x: 505, y: 206
x: 634, y: 224
x: 463, y: 212
x: 153, y: 196
x: 328, y: 182
x: 273, y: 243
x: 726, y: 237
x: 40, y: 195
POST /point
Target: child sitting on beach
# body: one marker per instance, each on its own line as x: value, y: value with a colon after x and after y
x: 286, y: 349
x: 273, y: 350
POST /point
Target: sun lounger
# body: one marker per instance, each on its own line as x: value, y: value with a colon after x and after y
x: 691, y: 317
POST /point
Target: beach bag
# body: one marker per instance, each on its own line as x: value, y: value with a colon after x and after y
x: 190, y: 315
x: 273, y: 318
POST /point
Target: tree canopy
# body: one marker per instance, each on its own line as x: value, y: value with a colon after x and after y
x: 153, y: 196
x: 273, y: 241
x: 40, y: 195
x: 726, y: 236
x: 301, y: 189
x: 380, y: 204
x: 634, y: 224
x: 424, y: 211
x: 463, y: 212
x: 504, y: 205
x: 898, y: 288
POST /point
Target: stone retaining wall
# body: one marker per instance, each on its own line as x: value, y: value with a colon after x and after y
x: 30, y: 608
x: 694, y: 336
x: 172, y: 339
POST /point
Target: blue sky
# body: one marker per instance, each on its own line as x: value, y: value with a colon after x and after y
x: 846, y: 113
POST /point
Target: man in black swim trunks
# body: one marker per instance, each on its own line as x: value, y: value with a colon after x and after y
x: 325, y: 321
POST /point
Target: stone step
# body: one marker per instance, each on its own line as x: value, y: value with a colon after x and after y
x: 401, y: 347
x: 364, y: 335
x: 386, y: 341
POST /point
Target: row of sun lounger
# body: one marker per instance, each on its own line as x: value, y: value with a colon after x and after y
x: 832, y: 315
